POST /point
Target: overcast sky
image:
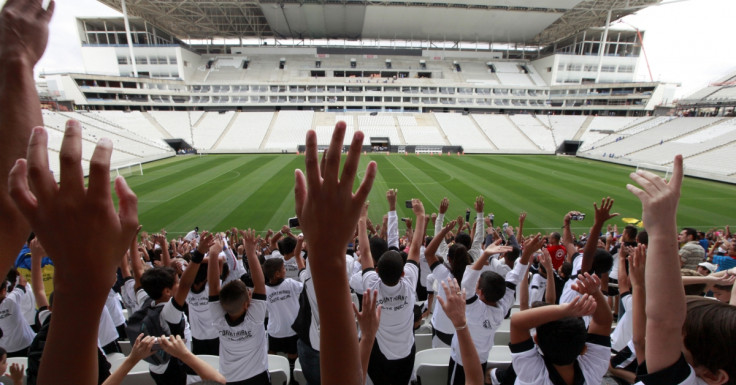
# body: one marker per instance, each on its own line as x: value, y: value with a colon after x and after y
x: 688, y: 42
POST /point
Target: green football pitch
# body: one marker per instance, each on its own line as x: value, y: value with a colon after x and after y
x: 216, y: 192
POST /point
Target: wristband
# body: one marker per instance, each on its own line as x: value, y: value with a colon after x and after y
x: 465, y: 325
x: 196, y: 256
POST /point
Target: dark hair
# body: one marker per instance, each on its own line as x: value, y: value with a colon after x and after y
x: 709, y: 332
x: 233, y: 295
x: 566, y: 269
x: 643, y: 237
x: 4, y: 285
x: 723, y: 287
x: 511, y: 256
x: 697, y: 289
x: 378, y: 246
x: 271, y: 267
x: 458, y: 257
x: 3, y: 352
x: 390, y: 266
x: 464, y: 239
x: 155, y: 280
x: 563, y: 340
x: 12, y: 277
x: 492, y: 285
x: 31, y: 236
x: 556, y: 236
x: 689, y: 231
x: 602, y: 262
x: 428, y: 240
x: 630, y: 232
x: 286, y: 245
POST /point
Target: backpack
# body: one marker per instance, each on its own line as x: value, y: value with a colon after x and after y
x: 147, y: 320
x: 303, y: 320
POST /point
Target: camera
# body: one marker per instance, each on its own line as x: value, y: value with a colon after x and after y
x: 577, y: 217
x: 293, y: 222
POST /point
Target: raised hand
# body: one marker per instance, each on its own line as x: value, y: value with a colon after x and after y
x: 417, y: 207
x: 546, y: 260
x: 24, y: 30
x: 637, y: 263
x: 580, y: 306
x: 658, y: 197
x: 142, y: 347
x: 369, y: 318
x: 68, y: 211
x: 391, y: 198
x: 16, y: 372
x: 249, y: 238
x: 206, y: 240
x: 444, y: 204
x: 454, y: 302
x: 603, y: 213
x: 479, y: 204
x: 496, y: 248
x: 587, y: 284
x: 522, y: 218
x: 325, y: 205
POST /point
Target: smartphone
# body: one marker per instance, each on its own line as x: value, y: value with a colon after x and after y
x: 467, y: 215
x: 408, y: 204
x: 156, y: 346
x: 293, y: 222
x: 577, y: 217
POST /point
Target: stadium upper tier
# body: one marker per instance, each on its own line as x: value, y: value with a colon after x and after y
x: 142, y: 136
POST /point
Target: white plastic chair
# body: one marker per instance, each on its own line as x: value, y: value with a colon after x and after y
x: 278, y: 368
x: 213, y: 361
x: 423, y: 342
x: 430, y: 366
x: 298, y: 374
x: 502, y: 337
x: 499, y: 357
x: 139, y: 375
x: 125, y: 347
x: 15, y: 360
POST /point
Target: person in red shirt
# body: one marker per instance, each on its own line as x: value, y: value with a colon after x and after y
x: 557, y: 251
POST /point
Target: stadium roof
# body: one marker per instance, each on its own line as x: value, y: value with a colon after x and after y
x: 497, y: 21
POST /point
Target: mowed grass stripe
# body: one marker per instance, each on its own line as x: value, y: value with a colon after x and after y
x: 220, y: 191
x: 195, y: 206
x: 272, y: 186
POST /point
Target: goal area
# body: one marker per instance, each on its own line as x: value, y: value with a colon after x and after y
x: 126, y: 170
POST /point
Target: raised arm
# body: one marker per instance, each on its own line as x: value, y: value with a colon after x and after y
x: 39, y: 292
x: 524, y: 290
x: 665, y: 309
x: 393, y: 220
x: 637, y: 263
x: 476, y: 248
x: 522, y: 321
x: 624, y: 283
x: 259, y: 281
x: 175, y: 346
x: 438, y: 225
x: 160, y: 240
x: 328, y: 212
x: 298, y: 253
x: 602, y: 318
x: 190, y: 273
x: 23, y: 37
x: 454, y: 307
x: 602, y: 214
x: 366, y: 259
x: 418, y: 239
x: 520, y: 230
x: 368, y: 321
x: 430, y: 252
x: 567, y: 239
x: 550, y: 294
x: 213, y: 269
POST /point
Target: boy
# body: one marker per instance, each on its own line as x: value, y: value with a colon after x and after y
x: 16, y: 334
x: 392, y: 356
x: 283, y: 305
x: 569, y: 354
x: 239, y: 321
x: 492, y: 297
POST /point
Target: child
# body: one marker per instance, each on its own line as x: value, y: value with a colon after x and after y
x: 16, y: 334
x: 16, y: 370
x: 239, y: 319
x: 392, y: 357
x: 569, y: 354
x: 283, y: 305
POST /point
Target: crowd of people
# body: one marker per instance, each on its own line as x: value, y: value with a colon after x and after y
x: 241, y: 296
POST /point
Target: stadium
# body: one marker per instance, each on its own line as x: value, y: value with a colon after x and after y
x: 534, y: 105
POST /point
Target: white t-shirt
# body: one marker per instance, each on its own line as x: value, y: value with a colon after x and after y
x: 283, y: 305
x: 624, y: 329
x: 537, y: 288
x: 440, y: 322
x: 28, y: 305
x: 483, y: 320
x: 568, y: 294
x: 305, y: 276
x: 106, y: 332
x: 292, y: 270
x: 395, y: 335
x: 127, y: 293
x: 356, y: 277
x: 243, y: 341
x: 680, y: 373
x: 530, y: 367
x: 499, y: 265
x: 200, y: 317
x: 114, y: 308
x: 16, y: 332
x: 424, y: 269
